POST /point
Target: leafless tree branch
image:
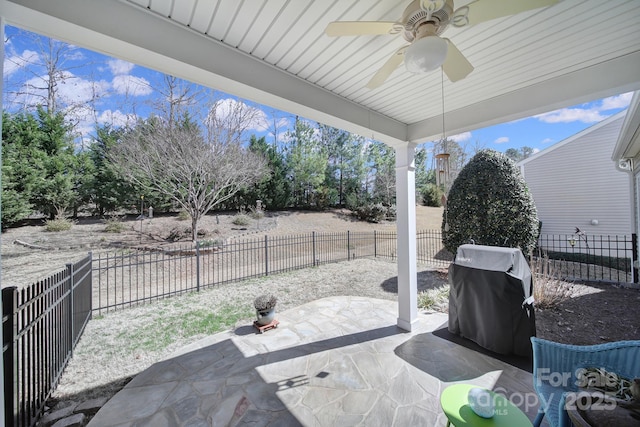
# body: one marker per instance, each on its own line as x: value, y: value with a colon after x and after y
x: 197, y: 173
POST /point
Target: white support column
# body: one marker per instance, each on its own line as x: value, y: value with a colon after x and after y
x: 2, y: 408
x: 406, y: 223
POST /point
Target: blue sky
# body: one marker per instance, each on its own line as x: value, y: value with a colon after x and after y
x: 544, y: 130
x: 99, y: 90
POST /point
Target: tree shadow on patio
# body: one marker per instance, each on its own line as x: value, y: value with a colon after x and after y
x: 227, y: 382
x: 428, y: 279
x: 454, y: 359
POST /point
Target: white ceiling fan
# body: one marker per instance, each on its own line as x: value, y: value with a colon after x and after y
x: 422, y: 23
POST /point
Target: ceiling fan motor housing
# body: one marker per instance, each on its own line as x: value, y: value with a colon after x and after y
x: 415, y: 15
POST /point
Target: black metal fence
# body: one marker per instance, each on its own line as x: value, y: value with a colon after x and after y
x: 130, y: 277
x: 41, y: 326
x: 43, y: 322
x: 592, y: 257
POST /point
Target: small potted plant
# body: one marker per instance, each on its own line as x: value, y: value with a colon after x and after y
x: 265, y: 305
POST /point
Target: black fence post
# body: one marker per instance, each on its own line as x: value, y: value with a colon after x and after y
x: 91, y: 284
x: 375, y: 246
x: 348, y: 245
x: 197, y: 266
x: 313, y: 250
x: 10, y: 353
x: 72, y: 313
x: 266, y: 255
x: 634, y: 257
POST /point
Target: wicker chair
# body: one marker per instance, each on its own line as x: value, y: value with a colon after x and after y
x: 555, y: 366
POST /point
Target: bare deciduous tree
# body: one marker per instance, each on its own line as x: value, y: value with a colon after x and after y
x: 198, y: 173
x: 46, y: 71
x: 176, y: 97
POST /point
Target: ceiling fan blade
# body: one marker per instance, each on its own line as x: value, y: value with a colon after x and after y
x: 388, y: 68
x: 359, y: 28
x: 455, y: 65
x: 485, y: 10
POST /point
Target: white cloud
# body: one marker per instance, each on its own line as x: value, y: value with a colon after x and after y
x: 74, y: 54
x: 615, y: 102
x: 568, y: 115
x: 535, y: 150
x: 119, y: 67
x: 461, y: 137
x: 228, y: 107
x: 260, y: 123
x: 131, y: 85
x: 76, y: 90
x: 501, y: 140
x: 72, y: 91
x: 547, y: 141
x: 16, y: 62
x: 116, y: 118
x: 282, y: 126
x: 591, y: 114
x: 283, y: 122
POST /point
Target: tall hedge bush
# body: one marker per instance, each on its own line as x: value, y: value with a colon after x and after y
x: 490, y: 203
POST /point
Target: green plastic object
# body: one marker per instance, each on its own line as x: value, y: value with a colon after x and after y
x: 456, y: 407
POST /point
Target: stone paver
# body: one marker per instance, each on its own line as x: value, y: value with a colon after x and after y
x: 335, y: 361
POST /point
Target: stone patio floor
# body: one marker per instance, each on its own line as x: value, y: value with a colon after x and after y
x: 338, y: 361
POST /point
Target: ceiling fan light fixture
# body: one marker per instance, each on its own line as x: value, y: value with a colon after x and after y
x: 425, y: 54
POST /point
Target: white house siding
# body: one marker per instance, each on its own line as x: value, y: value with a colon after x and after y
x: 575, y: 182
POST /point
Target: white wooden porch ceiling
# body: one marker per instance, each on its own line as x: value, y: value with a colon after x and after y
x: 275, y: 52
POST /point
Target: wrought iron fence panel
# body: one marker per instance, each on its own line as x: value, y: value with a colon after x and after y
x: 591, y: 257
x: 41, y: 324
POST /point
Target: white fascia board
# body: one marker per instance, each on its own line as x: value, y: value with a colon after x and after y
x: 131, y: 33
x: 628, y: 144
x: 609, y: 78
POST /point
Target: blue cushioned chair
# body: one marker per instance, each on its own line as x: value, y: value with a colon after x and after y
x: 555, y: 366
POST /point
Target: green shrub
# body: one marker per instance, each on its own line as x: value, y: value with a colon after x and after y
x: 241, y: 220
x: 114, y: 225
x: 59, y: 224
x: 371, y: 212
x: 210, y: 243
x: 431, y: 195
x: 256, y: 213
x: 436, y: 299
x: 374, y: 212
x: 178, y: 233
x: 183, y: 216
x: 391, y: 213
x: 490, y: 203
x: 354, y: 200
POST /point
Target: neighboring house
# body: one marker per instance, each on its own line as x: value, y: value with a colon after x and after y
x: 574, y: 183
x: 626, y: 155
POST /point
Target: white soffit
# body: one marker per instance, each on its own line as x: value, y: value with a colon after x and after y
x: 275, y: 52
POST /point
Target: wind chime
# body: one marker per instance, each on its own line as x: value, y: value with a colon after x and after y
x: 442, y: 168
x: 442, y: 162
x: 442, y: 159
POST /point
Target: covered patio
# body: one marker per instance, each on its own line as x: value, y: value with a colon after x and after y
x: 354, y: 360
x: 335, y: 361
x: 277, y: 53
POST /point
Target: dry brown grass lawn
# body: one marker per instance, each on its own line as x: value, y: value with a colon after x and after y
x: 120, y: 344
x: 50, y: 251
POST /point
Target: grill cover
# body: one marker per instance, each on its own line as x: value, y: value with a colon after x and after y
x: 490, y: 299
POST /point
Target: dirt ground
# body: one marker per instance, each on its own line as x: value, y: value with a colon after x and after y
x: 596, y: 313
